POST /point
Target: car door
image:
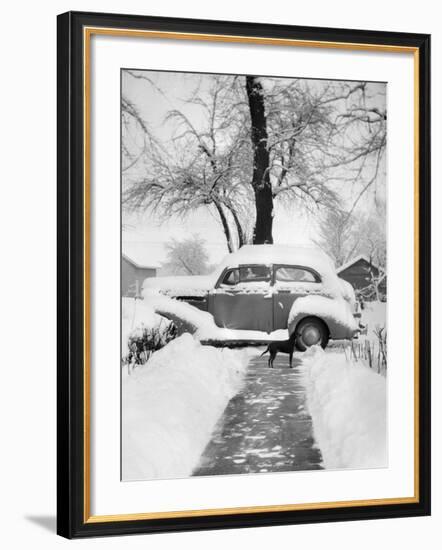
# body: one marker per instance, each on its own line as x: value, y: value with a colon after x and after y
x: 243, y: 300
x: 290, y: 283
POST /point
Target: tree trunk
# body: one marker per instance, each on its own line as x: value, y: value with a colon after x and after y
x: 262, y: 233
x: 239, y: 229
x: 225, y: 225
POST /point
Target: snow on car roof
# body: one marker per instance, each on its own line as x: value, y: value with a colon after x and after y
x: 280, y: 254
x: 262, y: 254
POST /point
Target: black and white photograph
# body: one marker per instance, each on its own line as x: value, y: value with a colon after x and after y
x: 222, y: 248
x: 253, y: 274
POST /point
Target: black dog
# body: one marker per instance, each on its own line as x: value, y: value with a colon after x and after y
x: 284, y: 346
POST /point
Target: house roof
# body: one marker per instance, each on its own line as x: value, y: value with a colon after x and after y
x: 355, y: 260
x: 136, y: 264
x: 143, y: 254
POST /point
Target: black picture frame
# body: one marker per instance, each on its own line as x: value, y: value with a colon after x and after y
x: 72, y: 513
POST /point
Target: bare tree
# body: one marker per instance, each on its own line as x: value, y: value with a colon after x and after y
x: 186, y: 257
x: 202, y: 167
x: 345, y: 234
x: 131, y: 121
x: 374, y: 246
x: 320, y: 138
x: 309, y: 137
x: 257, y: 141
x: 373, y: 238
x: 338, y: 235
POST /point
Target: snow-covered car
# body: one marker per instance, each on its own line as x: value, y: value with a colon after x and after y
x: 271, y: 287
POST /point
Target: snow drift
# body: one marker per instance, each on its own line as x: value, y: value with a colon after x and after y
x: 171, y: 405
x: 183, y: 285
x: 347, y: 403
x: 137, y: 315
x: 187, y: 317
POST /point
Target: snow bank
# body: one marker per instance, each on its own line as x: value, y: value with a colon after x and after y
x: 192, y: 285
x: 186, y: 316
x: 135, y: 316
x: 335, y: 309
x: 171, y: 405
x: 347, y: 403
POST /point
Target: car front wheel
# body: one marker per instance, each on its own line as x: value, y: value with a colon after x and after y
x: 311, y: 331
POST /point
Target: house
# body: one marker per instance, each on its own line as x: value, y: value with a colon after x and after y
x: 133, y: 275
x: 364, y: 276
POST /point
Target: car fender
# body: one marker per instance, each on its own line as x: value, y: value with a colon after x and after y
x: 334, y: 312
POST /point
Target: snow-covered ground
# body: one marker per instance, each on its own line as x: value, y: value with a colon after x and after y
x: 171, y: 404
x: 347, y: 403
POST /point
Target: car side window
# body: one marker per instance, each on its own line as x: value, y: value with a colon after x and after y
x: 287, y: 274
x: 254, y: 273
x: 231, y: 278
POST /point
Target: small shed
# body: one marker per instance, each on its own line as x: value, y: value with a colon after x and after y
x: 133, y: 275
x: 361, y: 273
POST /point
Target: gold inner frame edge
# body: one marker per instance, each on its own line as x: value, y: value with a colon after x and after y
x: 134, y: 33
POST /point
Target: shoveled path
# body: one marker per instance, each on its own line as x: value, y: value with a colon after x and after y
x: 265, y: 428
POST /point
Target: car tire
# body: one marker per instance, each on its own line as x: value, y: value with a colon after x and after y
x: 311, y: 331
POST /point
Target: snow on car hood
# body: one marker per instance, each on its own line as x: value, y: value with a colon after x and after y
x: 192, y: 285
